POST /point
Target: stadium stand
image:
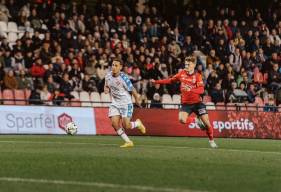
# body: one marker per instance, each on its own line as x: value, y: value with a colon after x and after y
x: 85, y: 98
x: 166, y: 98
x: 75, y: 103
x: 8, y: 97
x: 95, y: 98
x: 105, y: 99
x: 48, y: 39
x: 19, y: 97
x: 176, y: 99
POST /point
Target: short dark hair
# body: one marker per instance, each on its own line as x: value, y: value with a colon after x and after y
x: 191, y: 58
x: 118, y: 60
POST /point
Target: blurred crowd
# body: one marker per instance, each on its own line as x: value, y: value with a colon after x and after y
x: 69, y: 47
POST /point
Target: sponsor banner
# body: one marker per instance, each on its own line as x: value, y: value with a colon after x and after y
x: 241, y: 124
x: 103, y: 123
x: 45, y: 120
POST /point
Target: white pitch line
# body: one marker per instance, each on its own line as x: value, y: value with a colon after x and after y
x: 96, y: 184
x: 148, y: 146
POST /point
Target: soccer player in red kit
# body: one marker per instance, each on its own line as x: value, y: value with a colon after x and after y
x: 191, y: 87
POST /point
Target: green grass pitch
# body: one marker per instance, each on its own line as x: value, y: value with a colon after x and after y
x: 156, y: 164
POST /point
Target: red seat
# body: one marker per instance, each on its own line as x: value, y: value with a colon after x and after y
x: 27, y: 93
x: 9, y: 96
x: 265, y: 100
x: 258, y: 100
x: 220, y: 106
x: 75, y: 103
x: 242, y: 107
x: 260, y: 107
x: 252, y: 107
x: 65, y: 102
x: 231, y: 106
x: 20, y: 95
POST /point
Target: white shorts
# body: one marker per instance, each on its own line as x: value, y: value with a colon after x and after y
x: 122, y: 110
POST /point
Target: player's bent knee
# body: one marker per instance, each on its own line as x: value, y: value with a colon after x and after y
x: 182, y: 120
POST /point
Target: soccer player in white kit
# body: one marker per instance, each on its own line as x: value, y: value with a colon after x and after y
x: 120, y: 88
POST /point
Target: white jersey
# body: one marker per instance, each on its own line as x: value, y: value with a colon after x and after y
x: 120, y: 88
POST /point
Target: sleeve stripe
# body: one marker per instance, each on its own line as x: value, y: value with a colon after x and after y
x: 127, y: 81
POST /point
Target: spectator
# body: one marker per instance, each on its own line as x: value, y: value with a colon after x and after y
x: 45, y: 53
x: 58, y: 97
x: 35, y: 98
x: 270, y: 106
x: 37, y: 70
x: 34, y: 19
x: 66, y: 86
x: 18, y: 62
x: 157, y: 88
x: 230, y: 96
x: 212, y: 81
x: 239, y: 94
x: 208, y: 71
x: 274, y: 78
x: 45, y: 95
x: 7, y: 60
x: 156, y: 101
x: 10, y: 81
x: 221, y: 50
x: 164, y: 71
x: 102, y: 70
x: 23, y: 81
x: 212, y: 58
x: 217, y: 94
x: 221, y: 71
x: 91, y: 68
x: 51, y: 85
x: 247, y: 62
x: 253, y: 92
x: 89, y: 84
x: 4, y: 13
x: 274, y: 37
x: 235, y: 60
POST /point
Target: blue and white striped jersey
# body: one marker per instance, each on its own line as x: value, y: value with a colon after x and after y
x: 120, y: 88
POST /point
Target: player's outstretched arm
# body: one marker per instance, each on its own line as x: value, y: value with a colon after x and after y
x: 162, y: 81
x: 137, y: 97
x: 173, y: 79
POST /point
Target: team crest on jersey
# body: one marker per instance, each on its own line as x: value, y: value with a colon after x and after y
x: 193, y: 79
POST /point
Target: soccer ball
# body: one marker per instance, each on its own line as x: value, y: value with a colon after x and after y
x: 71, y: 128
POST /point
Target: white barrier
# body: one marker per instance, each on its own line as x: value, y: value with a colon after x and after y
x: 45, y: 120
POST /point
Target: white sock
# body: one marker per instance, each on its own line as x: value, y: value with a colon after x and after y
x: 134, y: 124
x: 123, y: 135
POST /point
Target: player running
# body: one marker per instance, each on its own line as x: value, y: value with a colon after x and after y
x: 191, y: 87
x: 121, y: 109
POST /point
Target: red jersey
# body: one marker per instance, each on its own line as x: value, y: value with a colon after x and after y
x: 191, y: 86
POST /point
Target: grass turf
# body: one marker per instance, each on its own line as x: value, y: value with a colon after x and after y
x: 96, y: 163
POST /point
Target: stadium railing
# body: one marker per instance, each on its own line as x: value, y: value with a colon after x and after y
x: 78, y: 103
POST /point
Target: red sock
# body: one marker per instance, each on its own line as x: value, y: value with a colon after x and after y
x: 190, y: 119
x: 210, y: 132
